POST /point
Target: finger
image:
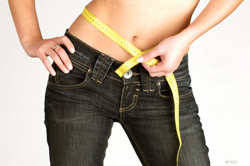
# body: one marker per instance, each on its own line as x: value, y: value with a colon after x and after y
x: 47, y: 64
x: 157, y: 70
x: 158, y: 74
x: 65, y: 41
x: 159, y: 67
x: 64, y: 56
x: 148, y: 56
x: 57, y: 60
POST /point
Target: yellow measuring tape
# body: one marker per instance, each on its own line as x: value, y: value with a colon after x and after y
x: 130, y: 48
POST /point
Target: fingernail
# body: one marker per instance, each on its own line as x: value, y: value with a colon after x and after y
x: 70, y: 67
x: 53, y: 73
x: 72, y: 50
x: 140, y: 59
x: 67, y: 71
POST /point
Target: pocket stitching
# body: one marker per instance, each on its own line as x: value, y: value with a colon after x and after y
x: 183, y: 96
x: 82, y: 84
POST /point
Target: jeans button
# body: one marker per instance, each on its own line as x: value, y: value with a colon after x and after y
x: 128, y: 74
x: 158, y: 83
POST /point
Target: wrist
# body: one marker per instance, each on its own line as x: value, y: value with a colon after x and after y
x: 29, y: 45
x: 27, y: 40
x: 186, y: 36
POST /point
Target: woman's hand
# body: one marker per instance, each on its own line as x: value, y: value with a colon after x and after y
x: 42, y: 48
x: 171, y: 51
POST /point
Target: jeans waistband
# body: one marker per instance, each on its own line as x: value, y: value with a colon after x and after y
x: 103, y: 65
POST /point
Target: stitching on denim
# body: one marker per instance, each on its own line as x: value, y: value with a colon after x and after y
x: 135, y: 74
x: 181, y: 97
x: 82, y: 84
x: 98, y: 81
x: 151, y: 90
x: 136, y: 143
x: 147, y: 82
x: 81, y: 63
x: 88, y: 67
x: 133, y: 82
x: 131, y: 106
x: 114, y: 78
x: 121, y: 117
x: 159, y: 93
x: 107, y: 137
x: 101, y: 67
x: 184, y: 96
x: 80, y: 67
x: 85, y: 81
x: 177, y: 78
x: 138, y: 87
x: 121, y: 102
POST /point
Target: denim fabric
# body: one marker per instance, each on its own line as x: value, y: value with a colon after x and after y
x: 81, y: 107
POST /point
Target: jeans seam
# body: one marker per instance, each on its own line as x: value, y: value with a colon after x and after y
x: 79, y: 66
x: 186, y: 95
x: 132, y: 82
x: 148, y: 83
x: 101, y: 67
x: 135, y: 74
x: 131, y: 106
x: 114, y: 78
x: 181, y: 97
x: 180, y: 77
x: 177, y: 78
x: 121, y: 116
x: 107, y: 142
x: 75, y: 86
x: 136, y: 143
x: 84, y: 65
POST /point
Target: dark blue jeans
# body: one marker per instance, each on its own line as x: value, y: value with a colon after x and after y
x: 81, y: 107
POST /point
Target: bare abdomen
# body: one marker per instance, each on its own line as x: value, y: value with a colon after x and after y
x: 143, y: 23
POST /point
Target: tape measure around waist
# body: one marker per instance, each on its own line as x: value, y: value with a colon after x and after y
x: 130, y: 48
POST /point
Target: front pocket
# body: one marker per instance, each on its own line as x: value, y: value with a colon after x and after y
x: 76, y: 78
x: 164, y: 91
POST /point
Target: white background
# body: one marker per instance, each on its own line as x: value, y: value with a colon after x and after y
x: 219, y: 66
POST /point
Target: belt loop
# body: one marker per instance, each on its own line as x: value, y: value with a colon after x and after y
x: 144, y: 79
x: 152, y: 83
x: 101, y: 68
x: 148, y: 83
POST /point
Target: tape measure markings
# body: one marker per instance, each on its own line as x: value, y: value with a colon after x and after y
x: 130, y: 48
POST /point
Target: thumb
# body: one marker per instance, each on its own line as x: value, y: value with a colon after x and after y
x: 148, y: 56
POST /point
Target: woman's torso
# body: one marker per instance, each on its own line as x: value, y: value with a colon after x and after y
x: 143, y: 23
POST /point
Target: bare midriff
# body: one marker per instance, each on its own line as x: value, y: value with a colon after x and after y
x: 143, y: 23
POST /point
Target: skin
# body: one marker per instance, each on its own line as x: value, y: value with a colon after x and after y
x: 165, y: 26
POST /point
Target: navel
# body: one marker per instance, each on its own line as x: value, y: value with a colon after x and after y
x: 134, y: 38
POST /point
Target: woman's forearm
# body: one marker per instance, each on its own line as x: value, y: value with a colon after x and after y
x: 172, y: 49
x: 213, y: 13
x: 25, y: 20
